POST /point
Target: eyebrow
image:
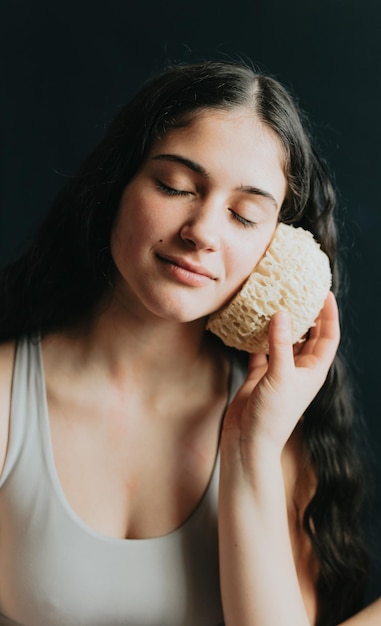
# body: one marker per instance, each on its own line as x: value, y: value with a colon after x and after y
x: 195, y: 167
x: 199, y: 169
x: 255, y: 191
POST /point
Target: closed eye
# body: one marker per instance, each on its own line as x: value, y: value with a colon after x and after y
x: 242, y: 220
x: 171, y: 191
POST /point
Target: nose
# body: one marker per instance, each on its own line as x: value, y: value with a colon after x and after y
x: 200, y: 231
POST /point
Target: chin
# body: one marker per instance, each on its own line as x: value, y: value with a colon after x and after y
x: 183, y: 314
x: 186, y: 317
x: 179, y: 306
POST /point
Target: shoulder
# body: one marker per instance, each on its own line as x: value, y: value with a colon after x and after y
x: 7, y: 354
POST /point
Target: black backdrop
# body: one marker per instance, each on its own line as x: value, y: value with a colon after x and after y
x: 68, y: 65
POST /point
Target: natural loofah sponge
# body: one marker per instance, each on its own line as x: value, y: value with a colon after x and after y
x: 294, y: 275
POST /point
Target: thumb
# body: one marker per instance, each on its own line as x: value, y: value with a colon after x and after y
x: 281, y: 356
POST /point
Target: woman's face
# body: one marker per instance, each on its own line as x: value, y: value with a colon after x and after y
x: 198, y: 215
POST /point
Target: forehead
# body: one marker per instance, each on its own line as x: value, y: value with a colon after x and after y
x: 210, y: 126
x: 234, y: 145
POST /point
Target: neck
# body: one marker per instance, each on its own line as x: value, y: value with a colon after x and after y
x: 124, y: 340
x: 143, y: 367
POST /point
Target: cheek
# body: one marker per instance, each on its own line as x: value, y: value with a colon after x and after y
x: 124, y: 238
x: 130, y: 222
x: 245, y: 256
x: 140, y: 224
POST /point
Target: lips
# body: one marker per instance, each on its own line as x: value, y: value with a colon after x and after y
x: 194, y: 268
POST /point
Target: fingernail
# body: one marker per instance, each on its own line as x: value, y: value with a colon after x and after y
x: 284, y: 319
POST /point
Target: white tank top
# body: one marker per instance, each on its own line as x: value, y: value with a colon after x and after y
x: 57, y: 571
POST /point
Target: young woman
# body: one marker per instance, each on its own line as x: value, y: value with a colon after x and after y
x: 133, y: 482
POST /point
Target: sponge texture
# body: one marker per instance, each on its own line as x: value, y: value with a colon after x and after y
x: 294, y: 275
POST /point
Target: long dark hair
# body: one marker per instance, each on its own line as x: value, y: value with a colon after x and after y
x: 68, y: 268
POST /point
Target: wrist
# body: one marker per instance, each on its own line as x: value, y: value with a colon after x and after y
x: 250, y: 448
x: 253, y: 460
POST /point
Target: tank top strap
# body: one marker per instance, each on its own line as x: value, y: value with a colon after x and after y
x: 26, y: 400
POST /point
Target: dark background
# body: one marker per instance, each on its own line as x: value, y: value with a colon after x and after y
x: 67, y: 66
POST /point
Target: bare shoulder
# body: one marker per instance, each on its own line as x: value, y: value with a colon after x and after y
x: 7, y: 353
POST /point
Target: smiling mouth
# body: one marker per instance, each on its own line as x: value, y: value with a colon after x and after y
x: 187, y: 273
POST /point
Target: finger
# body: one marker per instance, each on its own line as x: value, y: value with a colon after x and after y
x: 307, y: 346
x: 281, y: 355
x: 328, y: 330
x: 257, y: 359
x: 324, y: 338
x: 257, y: 367
x: 298, y: 346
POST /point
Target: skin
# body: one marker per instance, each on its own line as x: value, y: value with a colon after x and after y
x: 210, y: 218
x: 132, y: 457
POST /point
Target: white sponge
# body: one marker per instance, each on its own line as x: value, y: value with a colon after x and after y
x: 294, y: 275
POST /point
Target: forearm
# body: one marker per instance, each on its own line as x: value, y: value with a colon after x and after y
x: 258, y: 575
x: 259, y: 582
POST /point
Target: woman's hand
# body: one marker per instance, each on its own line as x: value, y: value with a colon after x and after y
x: 278, y: 390
x: 256, y: 558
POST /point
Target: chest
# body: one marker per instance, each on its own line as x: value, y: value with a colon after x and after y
x: 55, y: 568
x: 133, y: 476
x: 58, y: 567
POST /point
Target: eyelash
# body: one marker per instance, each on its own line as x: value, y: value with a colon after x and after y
x: 171, y: 191
x: 244, y: 222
